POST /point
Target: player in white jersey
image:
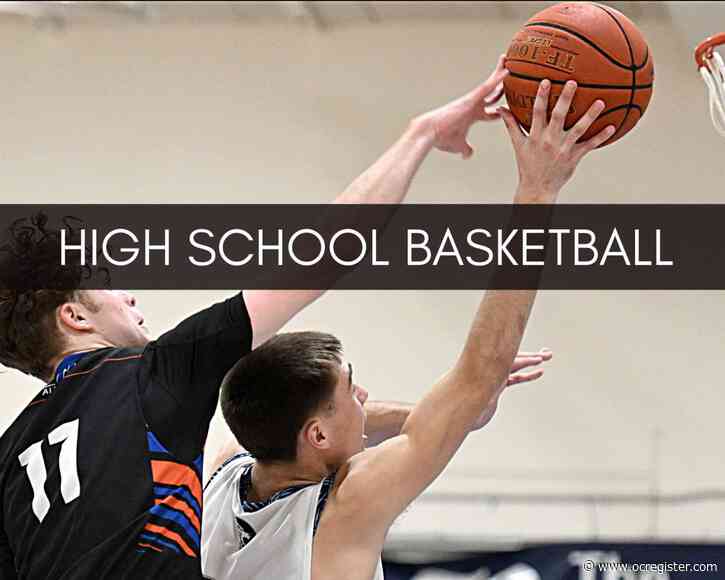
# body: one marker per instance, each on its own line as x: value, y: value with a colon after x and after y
x: 285, y: 522
x: 311, y: 503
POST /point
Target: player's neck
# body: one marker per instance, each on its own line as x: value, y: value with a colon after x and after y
x: 269, y: 478
x: 75, y: 349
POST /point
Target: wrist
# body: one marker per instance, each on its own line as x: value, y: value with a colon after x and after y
x: 421, y: 129
x: 529, y: 193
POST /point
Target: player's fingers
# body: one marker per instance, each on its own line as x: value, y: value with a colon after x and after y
x: 586, y: 120
x: 489, y: 85
x: 538, y: 120
x: 544, y: 353
x: 599, y: 139
x: 518, y: 378
x: 558, y: 115
x: 467, y: 150
x: 512, y: 126
x: 494, y: 95
x: 523, y: 362
x: 500, y: 67
x: 490, y: 113
x: 488, y: 110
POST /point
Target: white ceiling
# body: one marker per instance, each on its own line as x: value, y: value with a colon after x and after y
x: 320, y: 14
x: 694, y: 20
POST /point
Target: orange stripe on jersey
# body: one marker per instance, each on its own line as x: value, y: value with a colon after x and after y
x: 173, y: 536
x: 150, y: 546
x: 182, y: 506
x: 170, y: 473
x: 99, y: 365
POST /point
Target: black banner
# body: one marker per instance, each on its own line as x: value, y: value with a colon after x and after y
x: 363, y: 246
x: 575, y: 562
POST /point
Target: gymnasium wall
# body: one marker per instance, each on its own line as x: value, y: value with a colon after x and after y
x: 231, y: 113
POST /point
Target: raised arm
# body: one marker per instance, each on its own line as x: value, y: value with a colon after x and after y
x: 385, y: 419
x: 388, y: 181
x: 387, y: 478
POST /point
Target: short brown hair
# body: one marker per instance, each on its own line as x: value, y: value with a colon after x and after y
x: 270, y: 393
x: 32, y: 286
x: 29, y: 335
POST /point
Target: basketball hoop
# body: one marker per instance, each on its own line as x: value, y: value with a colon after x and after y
x: 712, y: 69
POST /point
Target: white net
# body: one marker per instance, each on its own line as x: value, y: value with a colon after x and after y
x: 713, y: 73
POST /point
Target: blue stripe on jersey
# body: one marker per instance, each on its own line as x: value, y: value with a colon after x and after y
x: 322, y: 500
x: 154, y: 444
x: 223, y: 465
x: 67, y: 364
x: 167, y: 513
x: 199, y: 464
x: 253, y: 506
x: 163, y: 491
x: 154, y: 539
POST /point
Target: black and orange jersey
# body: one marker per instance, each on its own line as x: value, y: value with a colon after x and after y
x: 101, y: 474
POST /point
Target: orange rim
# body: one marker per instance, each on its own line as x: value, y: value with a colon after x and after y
x: 705, y: 48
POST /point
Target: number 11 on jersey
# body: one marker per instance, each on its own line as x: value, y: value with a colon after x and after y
x: 32, y: 460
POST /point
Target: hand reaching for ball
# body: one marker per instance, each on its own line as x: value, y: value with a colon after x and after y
x: 450, y: 123
x: 548, y: 156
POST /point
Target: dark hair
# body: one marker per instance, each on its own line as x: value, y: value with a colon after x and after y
x: 32, y: 286
x: 270, y: 393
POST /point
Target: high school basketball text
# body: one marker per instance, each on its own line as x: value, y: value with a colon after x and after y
x: 416, y: 247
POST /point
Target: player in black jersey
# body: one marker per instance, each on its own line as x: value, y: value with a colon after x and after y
x: 100, y: 475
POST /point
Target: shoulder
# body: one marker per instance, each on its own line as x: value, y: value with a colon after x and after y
x: 230, y: 468
x: 351, y: 488
x: 86, y: 367
x: 98, y: 359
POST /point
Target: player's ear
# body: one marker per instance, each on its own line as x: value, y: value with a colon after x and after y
x: 315, y: 434
x: 73, y: 316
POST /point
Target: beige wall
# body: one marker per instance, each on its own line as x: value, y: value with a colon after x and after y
x: 275, y: 113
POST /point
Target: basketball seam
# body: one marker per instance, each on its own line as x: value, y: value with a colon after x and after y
x: 618, y: 107
x: 634, y: 70
x: 585, y: 39
x: 636, y: 67
x: 581, y: 85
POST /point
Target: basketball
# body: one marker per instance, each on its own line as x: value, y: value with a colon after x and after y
x: 595, y: 45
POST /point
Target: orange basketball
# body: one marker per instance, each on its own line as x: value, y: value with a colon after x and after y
x: 598, y: 47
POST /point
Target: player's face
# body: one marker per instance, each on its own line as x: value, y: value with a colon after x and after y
x: 348, y: 421
x: 116, y: 318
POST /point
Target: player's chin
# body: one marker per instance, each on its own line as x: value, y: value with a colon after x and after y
x: 143, y: 336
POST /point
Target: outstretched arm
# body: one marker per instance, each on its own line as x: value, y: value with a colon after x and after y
x: 385, y: 419
x: 387, y: 478
x: 387, y: 181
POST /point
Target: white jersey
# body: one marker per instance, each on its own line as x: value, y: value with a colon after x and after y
x: 273, y: 541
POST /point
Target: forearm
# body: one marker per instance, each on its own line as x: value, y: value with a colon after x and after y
x: 448, y: 412
x: 446, y: 415
x: 388, y: 179
x: 385, y: 419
